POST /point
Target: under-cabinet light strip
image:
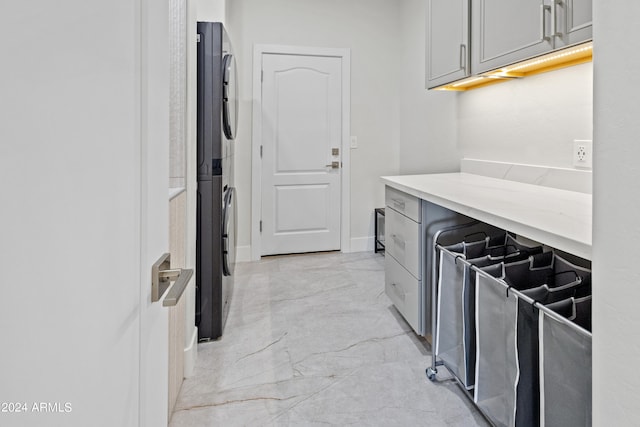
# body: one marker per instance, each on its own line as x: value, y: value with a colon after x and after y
x: 550, y: 58
x: 467, y: 82
x: 569, y: 56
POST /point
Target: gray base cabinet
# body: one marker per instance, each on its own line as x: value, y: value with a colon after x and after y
x: 410, y: 227
x: 403, y: 254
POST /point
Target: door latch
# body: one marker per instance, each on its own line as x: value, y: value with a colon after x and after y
x: 162, y: 276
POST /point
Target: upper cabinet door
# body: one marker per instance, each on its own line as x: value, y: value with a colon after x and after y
x: 574, y: 21
x: 508, y: 31
x: 447, y: 49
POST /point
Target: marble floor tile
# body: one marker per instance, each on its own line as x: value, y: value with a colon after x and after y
x: 313, y: 340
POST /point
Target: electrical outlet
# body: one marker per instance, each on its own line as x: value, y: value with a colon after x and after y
x: 354, y: 142
x: 582, y: 153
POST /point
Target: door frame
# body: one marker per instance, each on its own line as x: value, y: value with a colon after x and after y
x: 256, y: 137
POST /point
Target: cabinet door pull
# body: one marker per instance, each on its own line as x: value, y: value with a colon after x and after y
x: 543, y: 22
x: 463, y: 58
x: 554, y: 29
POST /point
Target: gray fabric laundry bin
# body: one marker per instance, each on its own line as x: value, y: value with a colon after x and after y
x: 455, y: 332
x: 565, y: 363
x: 508, y: 297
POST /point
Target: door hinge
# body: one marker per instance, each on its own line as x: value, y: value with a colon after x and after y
x: 261, y: 226
x: 198, y: 38
x: 261, y: 151
x: 261, y: 75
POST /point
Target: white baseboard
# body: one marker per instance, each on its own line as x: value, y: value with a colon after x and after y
x: 358, y: 244
x: 362, y: 244
x: 243, y: 253
x: 191, y: 355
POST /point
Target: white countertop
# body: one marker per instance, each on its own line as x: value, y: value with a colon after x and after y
x: 558, y: 218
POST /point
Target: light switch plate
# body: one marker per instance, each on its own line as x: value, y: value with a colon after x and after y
x: 583, y: 153
x: 354, y: 142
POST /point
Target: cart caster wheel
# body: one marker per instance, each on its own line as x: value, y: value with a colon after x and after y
x: 431, y: 374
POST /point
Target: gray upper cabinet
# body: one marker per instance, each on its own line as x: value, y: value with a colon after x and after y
x: 574, y: 22
x: 447, y: 35
x: 508, y: 31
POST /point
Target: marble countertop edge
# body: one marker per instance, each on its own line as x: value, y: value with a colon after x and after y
x: 555, y: 217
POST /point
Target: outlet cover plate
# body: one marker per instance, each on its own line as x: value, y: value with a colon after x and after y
x: 583, y: 153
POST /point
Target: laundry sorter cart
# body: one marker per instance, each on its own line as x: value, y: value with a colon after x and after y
x: 530, y: 363
x: 455, y: 289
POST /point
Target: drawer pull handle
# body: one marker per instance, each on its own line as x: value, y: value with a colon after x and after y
x: 399, y: 203
x: 398, y: 291
x: 398, y: 241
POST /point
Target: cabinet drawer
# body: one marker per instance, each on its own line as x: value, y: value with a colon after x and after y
x: 404, y: 291
x: 404, y: 203
x: 402, y: 237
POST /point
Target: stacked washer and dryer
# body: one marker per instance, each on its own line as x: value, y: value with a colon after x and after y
x: 216, y: 200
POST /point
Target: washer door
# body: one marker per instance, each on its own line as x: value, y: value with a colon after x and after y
x: 229, y: 97
x: 229, y: 232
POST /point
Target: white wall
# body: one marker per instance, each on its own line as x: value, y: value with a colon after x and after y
x: 370, y: 28
x: 616, y: 228
x: 211, y: 10
x: 427, y: 119
x: 531, y: 121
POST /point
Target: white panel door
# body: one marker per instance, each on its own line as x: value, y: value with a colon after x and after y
x: 301, y: 125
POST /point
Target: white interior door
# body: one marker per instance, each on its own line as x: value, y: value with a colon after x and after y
x: 301, y: 169
x: 85, y: 109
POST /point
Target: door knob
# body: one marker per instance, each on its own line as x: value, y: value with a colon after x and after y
x: 334, y: 165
